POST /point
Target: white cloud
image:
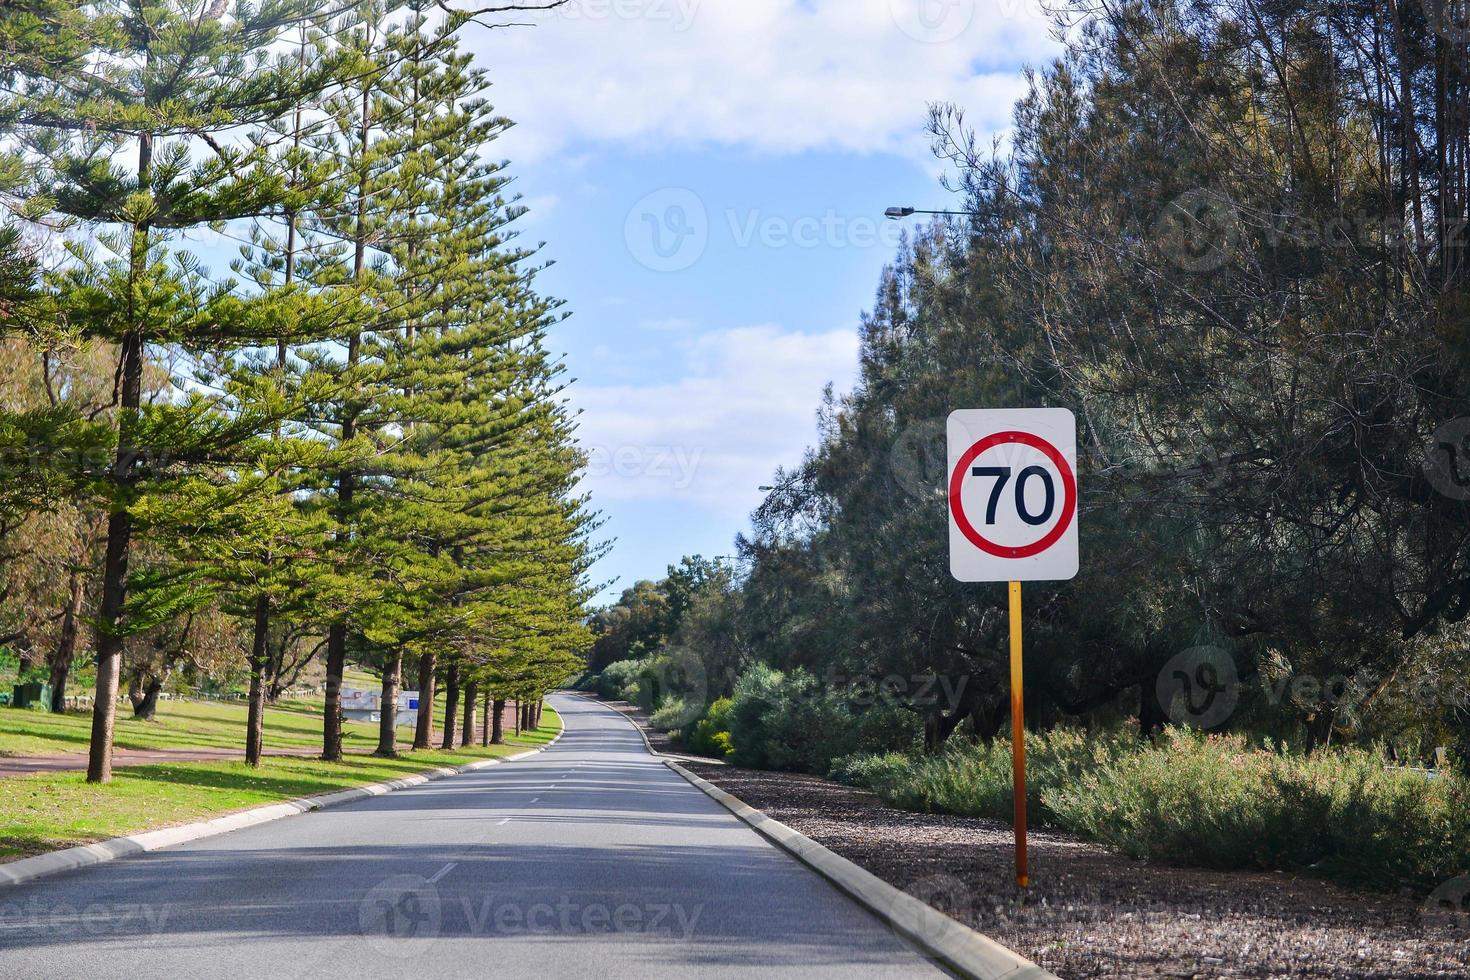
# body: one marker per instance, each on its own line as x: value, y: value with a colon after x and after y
x: 744, y: 404
x: 771, y: 75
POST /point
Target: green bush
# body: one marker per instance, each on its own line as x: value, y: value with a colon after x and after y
x: 1216, y: 802
x: 789, y: 721
x: 619, y: 680
x: 672, y: 714
x: 585, y: 681
x: 1206, y: 801
x: 710, y: 735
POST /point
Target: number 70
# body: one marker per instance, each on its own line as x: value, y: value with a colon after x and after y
x: 1003, y: 476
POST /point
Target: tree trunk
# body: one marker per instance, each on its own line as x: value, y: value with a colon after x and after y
x: 485, y: 720
x: 520, y: 715
x: 497, y: 722
x: 471, y: 692
x: 66, y: 645
x: 259, y: 655
x: 119, y: 520
x: 332, y: 713
x: 986, y: 722
x: 388, y: 709
x: 423, y: 735
x: 146, y: 707
x: 1151, y: 716
x: 451, y: 705
x: 1319, y: 728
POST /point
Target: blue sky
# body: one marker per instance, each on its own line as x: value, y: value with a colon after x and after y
x: 709, y: 177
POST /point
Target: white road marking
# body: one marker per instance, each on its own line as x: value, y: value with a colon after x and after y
x: 535, y: 799
x: 442, y: 872
x: 503, y: 822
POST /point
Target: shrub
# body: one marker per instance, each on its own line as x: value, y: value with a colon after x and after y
x: 619, y: 680
x: 1207, y: 801
x: 710, y: 735
x: 674, y: 713
x: 789, y: 721
x: 585, y: 681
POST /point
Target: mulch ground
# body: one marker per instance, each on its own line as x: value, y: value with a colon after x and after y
x: 1093, y: 913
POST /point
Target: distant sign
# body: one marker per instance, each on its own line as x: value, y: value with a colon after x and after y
x: 1013, y: 495
x: 367, y: 706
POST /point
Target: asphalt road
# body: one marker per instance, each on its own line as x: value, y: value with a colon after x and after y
x: 591, y: 859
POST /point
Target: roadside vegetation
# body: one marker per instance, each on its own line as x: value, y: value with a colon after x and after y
x: 1230, y: 237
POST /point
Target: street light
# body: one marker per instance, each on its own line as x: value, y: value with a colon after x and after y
x: 897, y: 214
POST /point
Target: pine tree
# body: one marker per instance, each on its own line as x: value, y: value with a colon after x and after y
x: 164, y: 83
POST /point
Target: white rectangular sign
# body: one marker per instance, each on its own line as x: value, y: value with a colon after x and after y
x: 1013, y: 497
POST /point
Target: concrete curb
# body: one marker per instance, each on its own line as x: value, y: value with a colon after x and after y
x: 86, y: 855
x: 957, y: 947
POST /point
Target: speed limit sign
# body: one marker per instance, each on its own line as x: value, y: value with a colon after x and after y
x: 1013, y: 518
x: 1013, y: 495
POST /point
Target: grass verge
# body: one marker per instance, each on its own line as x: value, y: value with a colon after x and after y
x: 49, y: 811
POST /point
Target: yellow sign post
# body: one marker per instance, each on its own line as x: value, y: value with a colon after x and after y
x: 1018, y: 738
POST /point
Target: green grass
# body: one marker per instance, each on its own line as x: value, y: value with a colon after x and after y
x: 49, y: 811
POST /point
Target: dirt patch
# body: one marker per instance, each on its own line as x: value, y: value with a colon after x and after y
x: 1092, y: 913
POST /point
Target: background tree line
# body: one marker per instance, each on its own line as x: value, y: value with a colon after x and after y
x: 353, y: 443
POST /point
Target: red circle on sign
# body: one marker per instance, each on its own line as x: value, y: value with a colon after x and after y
x: 1069, y: 495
